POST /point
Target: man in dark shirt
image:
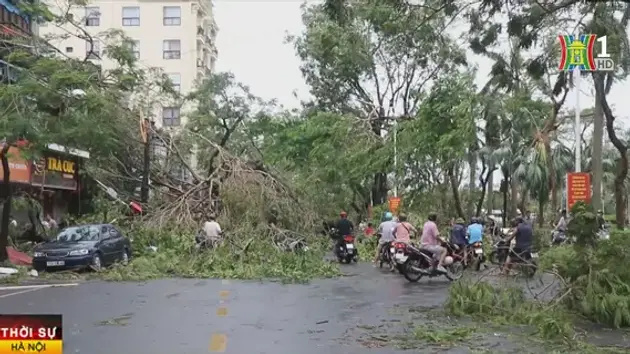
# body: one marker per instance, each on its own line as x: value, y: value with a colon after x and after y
x: 524, y: 236
x: 458, y: 233
x: 344, y: 226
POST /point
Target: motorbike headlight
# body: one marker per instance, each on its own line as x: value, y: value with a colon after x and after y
x: 82, y: 252
x: 38, y: 254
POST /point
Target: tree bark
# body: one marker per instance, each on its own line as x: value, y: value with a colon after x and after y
x: 472, y: 165
x: 541, y: 212
x: 6, y: 195
x: 146, y: 169
x: 622, y: 164
x: 455, y: 190
x: 490, y: 194
x: 596, y: 160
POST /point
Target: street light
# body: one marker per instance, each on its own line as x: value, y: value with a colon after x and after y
x: 578, y: 140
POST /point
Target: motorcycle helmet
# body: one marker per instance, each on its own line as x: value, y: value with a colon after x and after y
x: 388, y: 216
x: 448, y: 260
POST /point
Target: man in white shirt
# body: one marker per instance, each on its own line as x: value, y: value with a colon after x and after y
x: 212, y: 229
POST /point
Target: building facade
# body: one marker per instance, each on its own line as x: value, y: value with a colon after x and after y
x: 176, y: 36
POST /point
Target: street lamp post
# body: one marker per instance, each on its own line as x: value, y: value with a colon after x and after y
x: 578, y: 139
x: 395, y: 158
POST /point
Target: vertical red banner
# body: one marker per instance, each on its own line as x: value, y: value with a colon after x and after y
x: 578, y: 188
x: 394, y: 204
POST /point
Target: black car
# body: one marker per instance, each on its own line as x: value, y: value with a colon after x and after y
x: 93, y: 245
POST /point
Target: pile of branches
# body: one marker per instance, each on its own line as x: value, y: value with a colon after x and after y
x: 236, y: 190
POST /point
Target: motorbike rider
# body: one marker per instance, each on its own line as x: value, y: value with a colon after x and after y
x: 475, y: 233
x: 404, y: 229
x: 386, y: 232
x: 560, y: 228
x: 344, y: 227
x: 458, y: 235
x: 601, y: 222
x: 432, y: 242
x: 524, y: 235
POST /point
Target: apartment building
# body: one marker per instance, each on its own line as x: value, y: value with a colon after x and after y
x: 177, y: 36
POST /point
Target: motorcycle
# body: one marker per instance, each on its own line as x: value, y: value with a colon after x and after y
x: 346, y: 250
x: 387, y: 255
x: 476, y: 255
x: 527, y: 262
x: 559, y: 238
x: 420, y: 262
x: 399, y: 255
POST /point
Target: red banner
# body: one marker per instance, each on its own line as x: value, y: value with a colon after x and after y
x: 394, y: 204
x: 578, y: 188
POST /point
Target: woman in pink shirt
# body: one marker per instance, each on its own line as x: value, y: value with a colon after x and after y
x: 404, y: 229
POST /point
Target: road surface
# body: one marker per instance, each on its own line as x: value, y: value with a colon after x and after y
x: 366, y: 311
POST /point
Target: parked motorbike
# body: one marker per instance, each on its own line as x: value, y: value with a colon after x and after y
x: 421, y: 263
x: 346, y: 250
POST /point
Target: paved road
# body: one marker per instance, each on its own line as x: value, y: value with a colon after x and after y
x: 204, y: 316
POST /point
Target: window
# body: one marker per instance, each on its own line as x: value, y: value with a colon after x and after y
x: 96, y: 49
x: 171, y: 49
x: 131, y: 16
x: 170, y: 116
x: 135, y: 49
x: 176, y: 81
x: 70, y: 49
x: 172, y: 15
x: 92, y: 16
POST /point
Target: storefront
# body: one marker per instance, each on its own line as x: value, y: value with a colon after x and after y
x: 53, y: 179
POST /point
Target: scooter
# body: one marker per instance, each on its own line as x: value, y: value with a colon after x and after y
x: 346, y: 250
x: 421, y: 263
x: 477, y: 257
x: 387, y: 255
x: 399, y: 255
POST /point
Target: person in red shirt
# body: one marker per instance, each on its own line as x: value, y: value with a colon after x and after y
x: 369, y: 230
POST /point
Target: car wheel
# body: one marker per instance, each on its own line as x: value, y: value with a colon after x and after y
x: 97, y: 263
x: 125, y: 257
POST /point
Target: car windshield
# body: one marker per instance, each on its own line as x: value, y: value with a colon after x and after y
x: 79, y: 233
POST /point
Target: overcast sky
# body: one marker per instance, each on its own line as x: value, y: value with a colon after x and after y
x: 251, y: 45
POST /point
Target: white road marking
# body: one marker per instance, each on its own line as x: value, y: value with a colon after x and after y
x: 40, y: 286
x: 20, y: 292
x: 30, y: 288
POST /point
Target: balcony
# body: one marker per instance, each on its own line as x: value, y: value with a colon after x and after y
x: 13, y: 22
x: 201, y: 35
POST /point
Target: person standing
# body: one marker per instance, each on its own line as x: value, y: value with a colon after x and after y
x: 212, y: 231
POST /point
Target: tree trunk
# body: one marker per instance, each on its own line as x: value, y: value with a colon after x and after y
x: 146, y: 169
x: 455, y: 190
x: 541, y: 212
x: 622, y: 164
x: 506, y: 180
x: 6, y: 195
x: 596, y: 160
x: 379, y: 188
x: 513, y: 197
x: 490, y: 194
x: 472, y: 164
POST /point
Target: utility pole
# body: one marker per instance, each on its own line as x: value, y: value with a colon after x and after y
x: 578, y: 140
